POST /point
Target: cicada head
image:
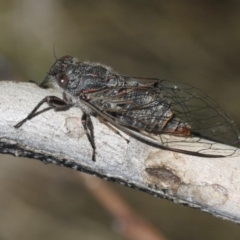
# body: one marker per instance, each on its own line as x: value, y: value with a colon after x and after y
x: 58, y: 72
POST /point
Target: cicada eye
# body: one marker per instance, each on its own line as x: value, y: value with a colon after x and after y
x: 62, y: 80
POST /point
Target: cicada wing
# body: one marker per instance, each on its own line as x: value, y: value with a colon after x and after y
x: 209, y: 123
x: 205, y: 116
x: 190, y: 145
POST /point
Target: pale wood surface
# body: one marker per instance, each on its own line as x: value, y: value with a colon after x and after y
x: 58, y: 137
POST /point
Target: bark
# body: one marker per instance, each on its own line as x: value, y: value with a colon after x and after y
x: 210, y: 184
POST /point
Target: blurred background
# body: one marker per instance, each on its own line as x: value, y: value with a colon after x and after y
x: 196, y: 42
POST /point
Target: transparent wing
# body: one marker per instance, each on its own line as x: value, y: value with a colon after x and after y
x: 206, y: 117
x: 144, y: 107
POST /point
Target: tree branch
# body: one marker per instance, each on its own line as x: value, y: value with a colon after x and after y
x: 211, y: 185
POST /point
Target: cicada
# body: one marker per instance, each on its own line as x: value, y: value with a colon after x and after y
x: 164, y: 114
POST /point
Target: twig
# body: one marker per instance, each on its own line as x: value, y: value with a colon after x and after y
x: 211, y: 185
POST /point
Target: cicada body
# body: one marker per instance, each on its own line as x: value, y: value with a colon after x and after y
x: 165, y: 114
